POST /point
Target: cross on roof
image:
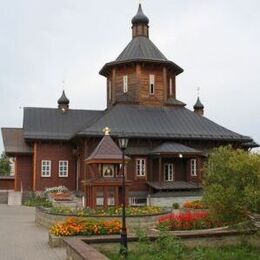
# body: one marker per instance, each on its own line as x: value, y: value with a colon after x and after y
x: 106, y: 130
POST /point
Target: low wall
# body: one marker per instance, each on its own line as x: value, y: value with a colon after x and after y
x: 6, y: 182
x: 46, y: 219
x: 86, y: 248
x: 76, y: 249
x: 168, y: 201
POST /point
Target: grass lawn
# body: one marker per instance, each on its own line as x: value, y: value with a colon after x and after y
x: 169, y: 248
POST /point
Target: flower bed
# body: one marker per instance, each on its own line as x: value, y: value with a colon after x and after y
x: 61, y: 196
x: 111, y: 211
x: 76, y: 226
x: 187, y: 221
x: 195, y: 204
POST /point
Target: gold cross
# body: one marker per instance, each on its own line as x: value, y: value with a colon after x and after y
x: 106, y: 130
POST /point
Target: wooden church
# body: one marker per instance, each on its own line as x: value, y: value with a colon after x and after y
x: 167, y: 146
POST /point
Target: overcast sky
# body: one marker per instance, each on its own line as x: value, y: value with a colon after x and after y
x: 45, y: 42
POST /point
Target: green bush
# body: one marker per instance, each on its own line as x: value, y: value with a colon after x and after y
x: 168, y: 247
x: 231, y: 184
x: 175, y: 205
x: 37, y: 201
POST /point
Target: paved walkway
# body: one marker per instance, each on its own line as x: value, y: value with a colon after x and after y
x: 21, y: 239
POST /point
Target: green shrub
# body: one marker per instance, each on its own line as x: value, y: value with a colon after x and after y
x: 231, y: 184
x: 111, y: 211
x: 175, y: 205
x: 168, y: 247
x: 37, y: 201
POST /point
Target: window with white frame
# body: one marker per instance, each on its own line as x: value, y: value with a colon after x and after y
x: 125, y: 84
x: 193, y: 167
x: 100, y: 201
x: 170, y: 87
x: 140, y: 167
x: 168, y: 171
x: 151, y: 84
x: 133, y: 201
x: 63, y: 168
x: 46, y: 168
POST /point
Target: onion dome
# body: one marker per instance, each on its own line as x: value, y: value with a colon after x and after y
x: 198, y: 104
x: 63, y: 101
x: 198, y: 107
x: 140, y: 17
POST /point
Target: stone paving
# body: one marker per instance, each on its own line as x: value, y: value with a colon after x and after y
x: 21, y: 239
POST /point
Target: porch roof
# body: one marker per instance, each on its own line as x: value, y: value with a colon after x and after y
x: 175, y: 185
x: 14, y: 142
x: 106, y: 151
x: 171, y: 148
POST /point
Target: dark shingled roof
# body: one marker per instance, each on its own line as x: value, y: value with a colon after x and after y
x: 49, y: 123
x: 106, y: 150
x: 175, y: 185
x: 175, y: 102
x: 14, y: 143
x: 141, y: 49
x: 170, y: 147
x: 251, y: 144
x: 140, y: 17
x: 137, y: 150
x: 166, y: 122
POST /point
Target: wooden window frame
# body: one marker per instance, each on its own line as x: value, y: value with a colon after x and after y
x: 63, y: 169
x: 138, y: 169
x: 164, y: 173
x: 113, y: 170
x: 152, y: 84
x: 193, y: 167
x: 45, y: 172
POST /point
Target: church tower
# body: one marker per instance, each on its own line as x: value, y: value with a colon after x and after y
x: 141, y: 74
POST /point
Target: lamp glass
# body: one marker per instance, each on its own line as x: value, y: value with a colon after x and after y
x: 123, y: 141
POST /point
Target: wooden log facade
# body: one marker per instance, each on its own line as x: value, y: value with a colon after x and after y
x: 168, y: 143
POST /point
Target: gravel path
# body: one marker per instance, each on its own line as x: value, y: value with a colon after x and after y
x: 21, y: 239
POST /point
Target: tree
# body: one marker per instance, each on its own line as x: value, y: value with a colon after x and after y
x: 5, y: 166
x: 232, y: 184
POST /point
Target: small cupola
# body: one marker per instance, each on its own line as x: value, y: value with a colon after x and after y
x: 63, y: 102
x: 140, y: 24
x: 198, y: 107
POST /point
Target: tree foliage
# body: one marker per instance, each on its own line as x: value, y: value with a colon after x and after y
x: 232, y: 183
x: 5, y: 167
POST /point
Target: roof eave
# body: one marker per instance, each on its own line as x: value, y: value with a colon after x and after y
x: 174, y: 137
x: 177, y: 153
x: 107, y: 67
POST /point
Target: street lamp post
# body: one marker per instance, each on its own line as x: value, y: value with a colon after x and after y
x: 123, y: 141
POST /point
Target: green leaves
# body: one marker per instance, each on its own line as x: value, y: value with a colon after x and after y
x: 232, y: 183
x: 5, y: 167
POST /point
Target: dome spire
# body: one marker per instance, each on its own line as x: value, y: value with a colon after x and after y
x: 63, y: 102
x: 198, y: 106
x: 140, y: 23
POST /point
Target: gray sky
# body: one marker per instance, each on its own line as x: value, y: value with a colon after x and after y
x: 216, y: 42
